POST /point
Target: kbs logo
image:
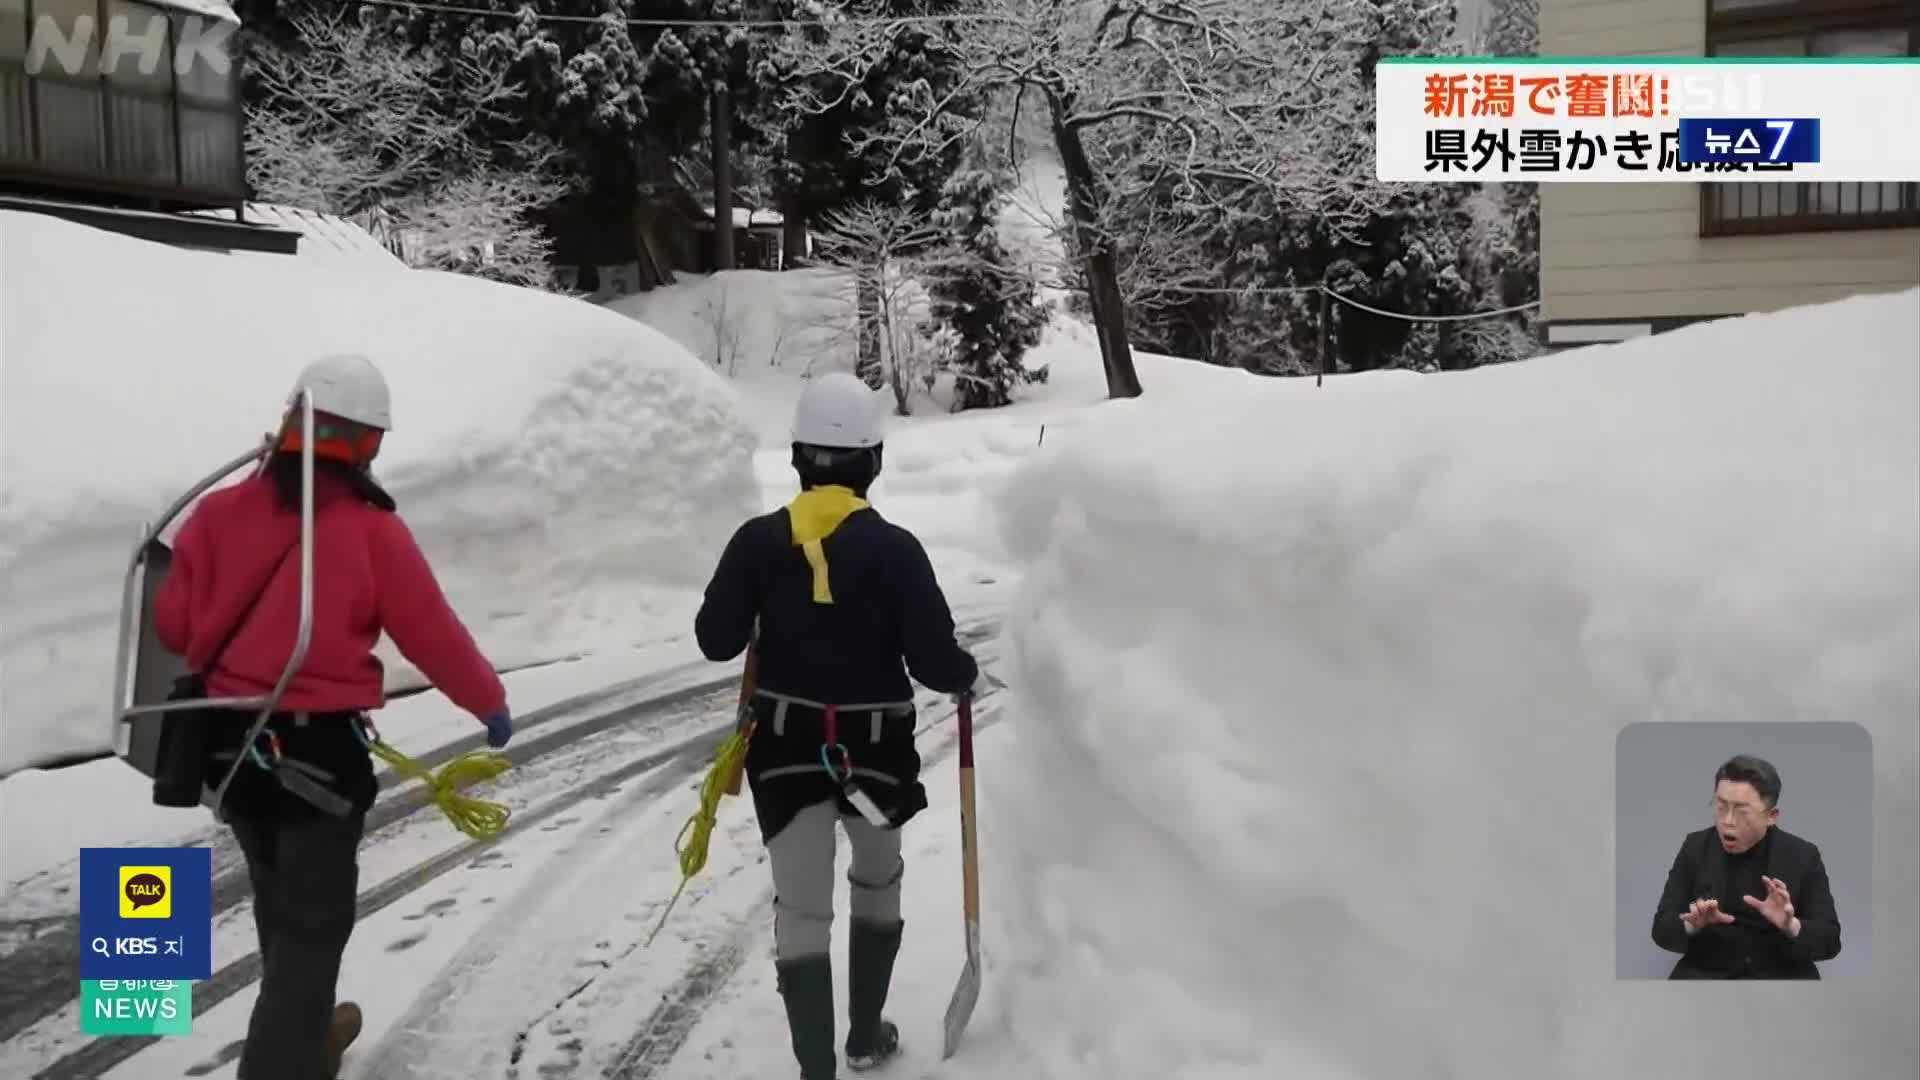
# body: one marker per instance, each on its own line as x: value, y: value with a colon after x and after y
x: 146, y: 892
x: 145, y: 912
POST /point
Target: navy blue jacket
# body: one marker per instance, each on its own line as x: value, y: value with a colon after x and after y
x: 887, y: 609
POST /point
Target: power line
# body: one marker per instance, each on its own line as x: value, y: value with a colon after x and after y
x: 1289, y: 290
x: 1466, y: 317
x: 427, y: 6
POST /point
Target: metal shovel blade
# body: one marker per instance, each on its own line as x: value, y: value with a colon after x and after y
x: 966, y: 994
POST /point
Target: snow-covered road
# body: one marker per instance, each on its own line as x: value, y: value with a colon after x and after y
x: 520, y: 956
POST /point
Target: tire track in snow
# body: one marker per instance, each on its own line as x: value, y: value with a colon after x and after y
x: 667, y: 1028
x: 667, y: 766
x: 597, y: 931
x: 54, y: 972
x: 41, y: 971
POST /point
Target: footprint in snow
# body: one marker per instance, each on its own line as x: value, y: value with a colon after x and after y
x: 228, y: 1054
x: 438, y: 907
x: 399, y: 945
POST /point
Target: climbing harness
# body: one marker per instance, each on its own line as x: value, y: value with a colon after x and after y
x: 842, y: 773
x: 298, y: 777
x: 723, y: 776
x: 478, y: 818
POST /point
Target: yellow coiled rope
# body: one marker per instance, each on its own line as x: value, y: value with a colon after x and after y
x: 690, y: 845
x: 478, y: 818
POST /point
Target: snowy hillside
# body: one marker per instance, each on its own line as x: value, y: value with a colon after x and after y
x: 569, y: 471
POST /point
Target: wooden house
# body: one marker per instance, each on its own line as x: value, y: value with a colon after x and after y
x: 126, y: 115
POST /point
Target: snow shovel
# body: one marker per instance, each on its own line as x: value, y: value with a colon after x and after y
x: 966, y: 993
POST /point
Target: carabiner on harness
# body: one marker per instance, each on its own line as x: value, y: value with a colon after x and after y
x: 273, y: 748
x: 841, y: 772
x: 843, y: 775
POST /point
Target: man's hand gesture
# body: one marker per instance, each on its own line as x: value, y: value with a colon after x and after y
x: 1703, y: 913
x: 1777, y: 908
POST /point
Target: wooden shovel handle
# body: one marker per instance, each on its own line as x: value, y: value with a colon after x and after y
x: 749, y: 682
x: 969, y: 841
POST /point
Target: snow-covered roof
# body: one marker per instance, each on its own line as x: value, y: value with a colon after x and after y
x: 745, y: 216
x: 322, y: 236
x: 211, y: 9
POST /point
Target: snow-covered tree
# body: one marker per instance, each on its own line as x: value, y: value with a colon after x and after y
x: 823, y: 119
x: 1421, y: 252
x: 622, y: 102
x: 1248, y: 98
x: 1513, y: 29
x: 347, y: 119
x: 986, y: 301
x: 881, y: 245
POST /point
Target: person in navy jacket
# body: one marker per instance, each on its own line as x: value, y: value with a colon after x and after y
x: 847, y: 606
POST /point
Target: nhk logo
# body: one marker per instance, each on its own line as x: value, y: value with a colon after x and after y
x: 146, y: 892
x: 76, y: 47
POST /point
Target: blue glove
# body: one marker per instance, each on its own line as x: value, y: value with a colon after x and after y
x: 499, y: 728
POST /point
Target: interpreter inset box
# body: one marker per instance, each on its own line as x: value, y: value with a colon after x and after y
x: 1743, y: 850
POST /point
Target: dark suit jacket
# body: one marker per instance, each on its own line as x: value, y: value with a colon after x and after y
x: 1741, y: 951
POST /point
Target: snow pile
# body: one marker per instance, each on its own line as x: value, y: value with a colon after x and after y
x: 942, y: 469
x: 764, y: 329
x: 1318, y: 695
x: 569, y: 472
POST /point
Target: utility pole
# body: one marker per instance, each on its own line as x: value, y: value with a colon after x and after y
x: 721, y: 121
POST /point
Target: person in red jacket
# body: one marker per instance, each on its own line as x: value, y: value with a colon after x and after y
x: 230, y: 605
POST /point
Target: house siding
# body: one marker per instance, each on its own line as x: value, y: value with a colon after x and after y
x: 1634, y: 251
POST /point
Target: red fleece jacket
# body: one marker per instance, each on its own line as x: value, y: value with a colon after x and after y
x: 369, y: 576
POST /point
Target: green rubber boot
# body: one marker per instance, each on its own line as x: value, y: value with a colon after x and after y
x: 872, y: 1040
x: 806, y: 985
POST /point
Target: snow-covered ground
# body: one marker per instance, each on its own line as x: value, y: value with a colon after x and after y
x: 1305, y: 767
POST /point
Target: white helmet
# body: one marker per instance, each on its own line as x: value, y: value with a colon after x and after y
x: 837, y: 410
x: 348, y: 386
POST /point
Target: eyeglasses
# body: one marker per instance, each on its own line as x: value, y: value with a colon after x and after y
x: 1743, y: 812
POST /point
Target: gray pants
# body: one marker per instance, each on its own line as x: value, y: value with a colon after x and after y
x: 802, y: 855
x: 305, y: 876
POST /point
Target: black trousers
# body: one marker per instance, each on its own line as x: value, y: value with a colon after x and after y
x: 306, y: 875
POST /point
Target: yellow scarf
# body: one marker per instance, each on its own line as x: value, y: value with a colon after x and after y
x: 813, y: 515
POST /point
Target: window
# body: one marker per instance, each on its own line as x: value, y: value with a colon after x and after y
x: 1809, y: 28
x: 13, y: 29
x: 72, y: 44
x: 205, y: 60
x: 209, y: 108
x: 16, y: 115
x: 69, y: 110
x: 138, y: 60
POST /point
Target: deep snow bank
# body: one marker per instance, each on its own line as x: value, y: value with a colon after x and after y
x: 568, y: 470
x: 1311, y: 771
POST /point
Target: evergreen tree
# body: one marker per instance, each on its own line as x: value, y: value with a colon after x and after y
x: 1513, y: 29
x: 1426, y: 250
x: 819, y: 170
x: 975, y: 289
